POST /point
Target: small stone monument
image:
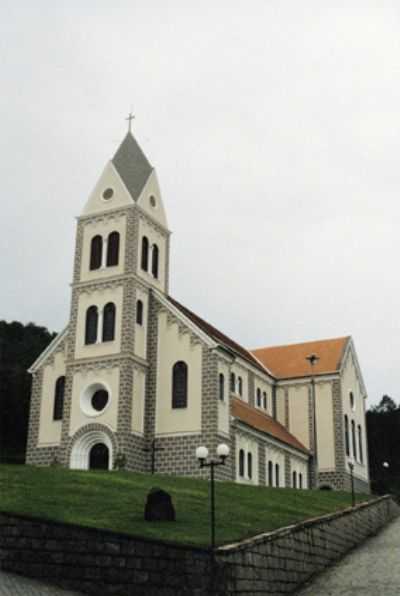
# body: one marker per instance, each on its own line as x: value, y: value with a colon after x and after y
x: 159, y: 506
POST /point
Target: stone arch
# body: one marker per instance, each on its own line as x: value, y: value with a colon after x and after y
x: 83, y: 441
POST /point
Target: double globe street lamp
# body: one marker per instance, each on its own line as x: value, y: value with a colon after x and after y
x: 202, y: 454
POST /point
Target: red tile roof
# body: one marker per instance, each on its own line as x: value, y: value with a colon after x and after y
x: 264, y: 423
x: 287, y: 362
x: 218, y: 336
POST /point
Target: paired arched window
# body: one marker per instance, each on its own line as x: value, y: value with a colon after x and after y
x: 179, y: 384
x: 59, y: 399
x: 346, y: 434
x: 360, y: 444
x: 112, y: 249
x: 233, y: 383
x: 154, y: 261
x: 92, y: 318
x: 144, y: 263
x: 241, y: 463
x: 240, y: 386
x: 270, y: 473
x: 249, y: 465
x: 259, y: 398
x: 277, y: 480
x: 96, y: 252
x: 221, y: 388
x: 139, y: 312
x: 294, y: 481
x: 109, y: 322
x: 353, y: 438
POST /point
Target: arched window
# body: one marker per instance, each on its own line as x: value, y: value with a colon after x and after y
x: 352, y: 402
x: 276, y: 474
x: 270, y: 474
x: 91, y: 325
x: 300, y: 480
x: 240, y: 386
x: 139, y: 312
x: 360, y: 444
x: 265, y: 400
x: 294, y: 475
x: 179, y: 385
x: 96, y: 252
x: 154, y: 261
x: 241, y: 463
x: 346, y: 434
x: 113, y: 249
x: 233, y: 383
x: 221, y: 387
x: 353, y: 437
x: 145, y: 254
x: 249, y: 465
x: 259, y: 397
x: 59, y: 399
x: 109, y: 322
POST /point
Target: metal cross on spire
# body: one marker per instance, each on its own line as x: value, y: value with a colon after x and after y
x: 130, y: 118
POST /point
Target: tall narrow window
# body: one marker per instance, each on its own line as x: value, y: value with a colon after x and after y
x: 113, y: 249
x: 241, y: 463
x: 109, y: 322
x: 294, y: 476
x: 353, y: 438
x: 144, y: 263
x: 154, y: 261
x: 346, y: 434
x: 249, y: 465
x: 179, y: 385
x: 240, y: 386
x: 59, y: 399
x: 360, y: 444
x: 259, y: 397
x: 96, y: 252
x: 270, y: 473
x: 277, y: 475
x: 139, y: 312
x: 233, y: 382
x: 221, y: 387
x: 91, y: 325
x: 265, y: 400
x: 300, y: 480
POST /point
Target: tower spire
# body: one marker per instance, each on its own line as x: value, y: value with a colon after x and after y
x: 129, y: 119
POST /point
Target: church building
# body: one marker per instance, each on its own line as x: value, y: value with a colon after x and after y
x: 137, y: 379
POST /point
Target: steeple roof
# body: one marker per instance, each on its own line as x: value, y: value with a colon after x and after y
x: 132, y: 165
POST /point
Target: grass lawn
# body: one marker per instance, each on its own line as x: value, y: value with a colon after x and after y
x: 115, y: 500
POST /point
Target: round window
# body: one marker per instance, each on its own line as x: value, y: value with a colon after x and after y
x: 153, y: 201
x: 99, y: 400
x: 107, y: 194
x: 95, y: 399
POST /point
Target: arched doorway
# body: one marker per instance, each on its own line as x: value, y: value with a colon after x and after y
x: 99, y: 457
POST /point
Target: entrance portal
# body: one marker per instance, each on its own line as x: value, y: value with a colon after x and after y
x: 99, y: 457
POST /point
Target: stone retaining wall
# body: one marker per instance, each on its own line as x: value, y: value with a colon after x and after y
x: 103, y: 562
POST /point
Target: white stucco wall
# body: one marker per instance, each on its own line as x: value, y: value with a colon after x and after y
x: 98, y: 298
x: 325, y: 426
x: 280, y: 405
x: 299, y: 413
x: 224, y: 406
x: 81, y: 381
x: 241, y: 371
x: 263, y: 385
x: 300, y: 467
x: 49, y: 429
x: 141, y: 330
x: 174, y: 346
x: 109, y: 179
x: 156, y: 211
x: 103, y: 229
x: 276, y: 456
x: 138, y: 401
x: 350, y: 382
x: 249, y: 446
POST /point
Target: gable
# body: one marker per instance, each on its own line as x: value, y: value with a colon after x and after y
x: 109, y: 179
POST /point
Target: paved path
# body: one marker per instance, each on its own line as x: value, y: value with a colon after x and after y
x: 15, y: 585
x: 371, y: 570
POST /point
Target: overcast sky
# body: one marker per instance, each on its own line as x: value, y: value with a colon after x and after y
x: 274, y: 128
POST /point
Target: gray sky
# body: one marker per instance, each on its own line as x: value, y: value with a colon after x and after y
x: 274, y: 129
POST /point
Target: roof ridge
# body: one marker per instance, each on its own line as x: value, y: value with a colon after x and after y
x: 301, y: 343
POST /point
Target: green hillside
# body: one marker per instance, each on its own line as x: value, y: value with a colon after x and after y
x: 115, y: 500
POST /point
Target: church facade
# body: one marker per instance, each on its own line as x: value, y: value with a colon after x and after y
x: 137, y: 380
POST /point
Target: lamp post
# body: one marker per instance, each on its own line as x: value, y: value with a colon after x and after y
x: 202, y: 454
x: 386, y: 467
x: 353, y: 496
x: 312, y: 359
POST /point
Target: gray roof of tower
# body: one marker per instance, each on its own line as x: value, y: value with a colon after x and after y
x: 132, y: 165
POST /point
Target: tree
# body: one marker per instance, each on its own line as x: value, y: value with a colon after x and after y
x: 387, y: 404
x: 20, y: 345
